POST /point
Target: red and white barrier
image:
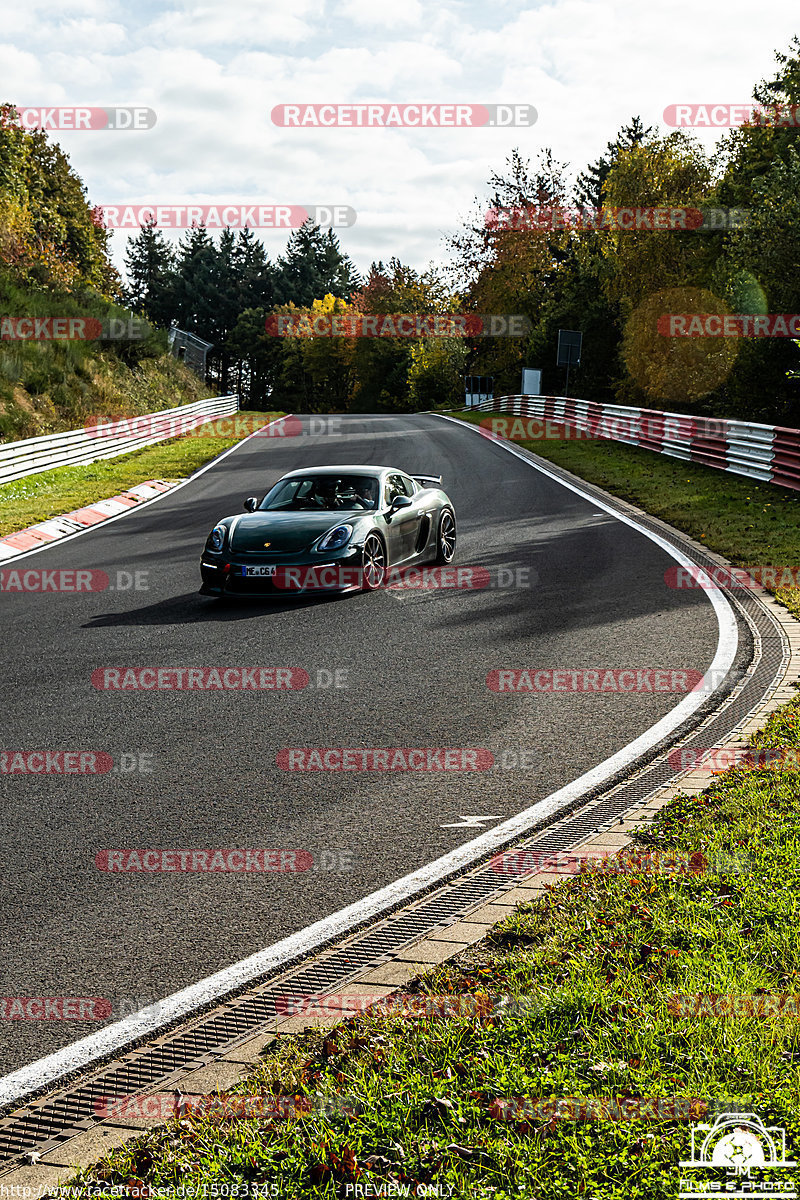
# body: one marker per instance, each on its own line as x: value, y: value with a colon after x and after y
x: 770, y: 453
x: 45, y: 532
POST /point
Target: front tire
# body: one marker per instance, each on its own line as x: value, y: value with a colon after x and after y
x: 446, y: 538
x: 373, y: 563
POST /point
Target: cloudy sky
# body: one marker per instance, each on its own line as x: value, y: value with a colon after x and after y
x: 213, y: 74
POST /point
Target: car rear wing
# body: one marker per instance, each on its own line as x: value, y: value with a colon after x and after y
x: 429, y: 480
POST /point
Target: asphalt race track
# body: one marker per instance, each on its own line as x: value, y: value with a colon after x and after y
x: 586, y: 591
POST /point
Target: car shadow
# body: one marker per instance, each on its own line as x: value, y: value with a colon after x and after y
x: 192, y: 608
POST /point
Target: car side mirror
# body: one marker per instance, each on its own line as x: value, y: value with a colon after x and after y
x: 251, y: 504
x: 400, y: 502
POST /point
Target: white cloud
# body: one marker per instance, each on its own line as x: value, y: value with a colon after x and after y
x: 214, y: 72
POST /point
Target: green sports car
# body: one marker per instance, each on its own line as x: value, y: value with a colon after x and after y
x: 331, y: 529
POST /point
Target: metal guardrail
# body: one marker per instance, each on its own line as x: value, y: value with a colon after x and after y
x: 102, y: 438
x: 770, y: 453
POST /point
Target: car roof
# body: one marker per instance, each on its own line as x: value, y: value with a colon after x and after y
x: 346, y: 468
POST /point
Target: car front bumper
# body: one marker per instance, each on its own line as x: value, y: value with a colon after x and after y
x: 301, y: 574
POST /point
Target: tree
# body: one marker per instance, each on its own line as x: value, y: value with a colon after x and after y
x: 312, y: 266
x: 150, y: 265
x: 49, y: 232
x: 195, y: 296
x: 589, y: 184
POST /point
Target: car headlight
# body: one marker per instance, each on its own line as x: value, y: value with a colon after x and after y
x: 334, y: 539
x: 216, y: 539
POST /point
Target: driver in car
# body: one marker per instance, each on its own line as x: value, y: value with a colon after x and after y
x: 365, y: 490
x: 327, y: 492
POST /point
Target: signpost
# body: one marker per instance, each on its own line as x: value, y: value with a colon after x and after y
x: 477, y: 388
x: 569, y: 351
x: 531, y: 382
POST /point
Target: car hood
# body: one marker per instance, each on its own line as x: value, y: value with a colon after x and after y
x: 287, y: 533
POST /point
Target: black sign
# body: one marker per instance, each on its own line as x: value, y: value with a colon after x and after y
x: 569, y: 347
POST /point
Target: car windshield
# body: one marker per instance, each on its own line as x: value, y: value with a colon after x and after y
x: 317, y: 492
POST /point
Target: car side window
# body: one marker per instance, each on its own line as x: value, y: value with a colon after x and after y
x: 394, y: 487
x: 409, y: 485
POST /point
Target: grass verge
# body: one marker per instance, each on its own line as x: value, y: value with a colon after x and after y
x: 51, y: 493
x: 396, y: 1104
x: 749, y: 523
x: 589, y: 1088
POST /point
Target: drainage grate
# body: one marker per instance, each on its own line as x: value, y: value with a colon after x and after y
x: 46, y: 1123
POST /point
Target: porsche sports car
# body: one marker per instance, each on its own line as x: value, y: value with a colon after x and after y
x: 334, y: 529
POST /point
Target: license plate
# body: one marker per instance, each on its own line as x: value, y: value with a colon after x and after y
x: 260, y: 572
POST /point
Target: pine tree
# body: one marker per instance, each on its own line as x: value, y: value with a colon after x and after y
x: 196, y: 296
x: 589, y: 185
x: 312, y: 267
x: 254, y: 272
x: 150, y: 264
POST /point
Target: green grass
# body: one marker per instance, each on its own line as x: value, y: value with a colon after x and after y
x: 600, y: 956
x: 597, y: 960
x: 51, y: 493
x: 747, y: 522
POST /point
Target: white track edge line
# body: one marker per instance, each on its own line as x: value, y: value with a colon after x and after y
x: 46, y: 1071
